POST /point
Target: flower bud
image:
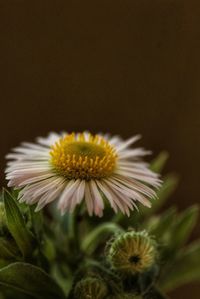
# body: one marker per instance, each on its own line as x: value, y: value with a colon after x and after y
x: 91, y: 288
x: 132, y: 252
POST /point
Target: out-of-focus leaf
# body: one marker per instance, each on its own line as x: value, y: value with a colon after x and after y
x: 17, y: 226
x: 49, y: 249
x: 184, y: 270
x: 154, y: 293
x: 30, y: 280
x: 3, y: 224
x: 8, y: 249
x: 168, y: 186
x: 59, y: 274
x: 36, y: 222
x: 159, y: 162
x: 160, y: 226
x: 148, y: 278
x: 183, y: 226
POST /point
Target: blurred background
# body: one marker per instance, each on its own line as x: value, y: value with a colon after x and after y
x: 123, y: 66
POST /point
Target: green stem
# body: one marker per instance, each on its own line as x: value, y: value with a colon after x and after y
x: 93, y: 239
x: 73, y: 232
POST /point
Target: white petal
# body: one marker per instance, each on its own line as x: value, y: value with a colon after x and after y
x: 135, y: 185
x: 98, y: 202
x: 127, y: 143
x: 80, y: 191
x: 107, y: 194
x: 50, y: 196
x: 151, y: 181
x: 50, y: 140
x: 89, y: 199
x: 67, y: 193
x: 122, y: 193
x: 134, y: 154
x: 130, y: 193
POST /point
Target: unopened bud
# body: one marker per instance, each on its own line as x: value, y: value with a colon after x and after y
x: 91, y: 288
x: 132, y: 252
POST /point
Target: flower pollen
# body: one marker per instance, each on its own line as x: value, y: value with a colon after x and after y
x: 76, y: 157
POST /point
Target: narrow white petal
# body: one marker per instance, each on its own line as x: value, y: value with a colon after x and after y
x: 122, y: 193
x: 50, y: 196
x: 127, y: 143
x: 50, y: 140
x: 115, y: 198
x: 130, y: 193
x: 135, y: 185
x: 98, y: 202
x: 151, y: 181
x: 67, y: 193
x: 80, y: 192
x: 34, y: 146
x: 89, y: 199
x: 121, y: 202
x: 107, y: 194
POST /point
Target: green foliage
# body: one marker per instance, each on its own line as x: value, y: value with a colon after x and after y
x: 99, y: 234
x: 30, y: 280
x: 16, y: 225
x: 159, y: 162
x: 184, y: 269
x: 49, y: 256
x: 8, y: 249
x: 183, y: 226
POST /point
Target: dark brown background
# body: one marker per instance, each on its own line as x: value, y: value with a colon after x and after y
x: 123, y: 66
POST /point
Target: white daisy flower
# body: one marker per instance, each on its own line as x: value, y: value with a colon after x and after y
x: 82, y: 167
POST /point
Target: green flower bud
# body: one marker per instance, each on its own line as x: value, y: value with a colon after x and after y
x: 132, y: 252
x: 91, y: 288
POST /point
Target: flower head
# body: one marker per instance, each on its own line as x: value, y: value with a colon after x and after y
x: 76, y: 167
x: 91, y: 288
x: 132, y: 252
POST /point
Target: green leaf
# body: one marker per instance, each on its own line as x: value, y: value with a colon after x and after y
x: 60, y: 273
x: 154, y: 293
x: 17, y: 225
x: 183, y: 226
x: 148, y: 278
x: 30, y: 280
x: 8, y: 249
x: 168, y: 186
x: 159, y: 162
x: 160, y: 226
x: 184, y: 270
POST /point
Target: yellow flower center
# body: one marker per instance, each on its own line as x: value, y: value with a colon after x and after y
x: 75, y: 157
